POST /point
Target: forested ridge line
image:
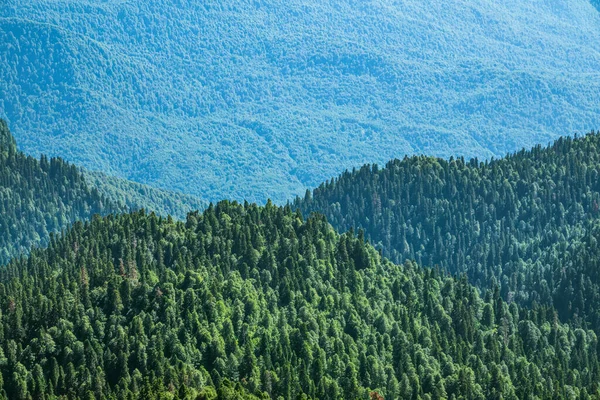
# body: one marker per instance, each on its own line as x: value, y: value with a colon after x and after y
x: 260, y: 99
x: 39, y: 197
x: 506, y: 221
x: 43, y: 196
x: 243, y: 302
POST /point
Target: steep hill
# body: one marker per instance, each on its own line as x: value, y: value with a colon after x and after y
x: 38, y: 197
x: 509, y: 221
x: 255, y: 300
x: 263, y: 98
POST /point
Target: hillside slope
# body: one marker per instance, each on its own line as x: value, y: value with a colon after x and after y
x: 135, y: 196
x: 263, y: 98
x: 256, y: 300
x: 511, y: 221
x: 39, y: 197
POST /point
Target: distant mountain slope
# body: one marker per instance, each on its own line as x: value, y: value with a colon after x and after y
x: 263, y: 98
x: 38, y: 197
x: 508, y: 221
x: 255, y: 300
x: 135, y: 196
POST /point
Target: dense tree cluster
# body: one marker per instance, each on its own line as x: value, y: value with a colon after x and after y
x: 572, y: 271
x: 244, y: 301
x: 38, y: 197
x: 506, y: 222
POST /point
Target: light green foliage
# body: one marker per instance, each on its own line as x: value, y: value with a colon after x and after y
x: 253, y: 303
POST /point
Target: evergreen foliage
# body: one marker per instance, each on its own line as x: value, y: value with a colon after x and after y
x: 38, y: 197
x: 135, y: 196
x: 507, y: 222
x: 7, y: 141
x: 253, y: 302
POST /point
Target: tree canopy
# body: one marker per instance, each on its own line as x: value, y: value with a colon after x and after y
x: 510, y: 222
x: 244, y: 301
x: 38, y: 197
x: 43, y: 196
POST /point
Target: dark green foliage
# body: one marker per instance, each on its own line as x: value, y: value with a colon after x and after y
x: 253, y: 302
x: 7, y: 141
x: 38, y: 197
x: 505, y: 222
x: 573, y: 274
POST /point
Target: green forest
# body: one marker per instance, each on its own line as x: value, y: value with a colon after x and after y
x: 135, y: 196
x: 299, y: 200
x: 43, y: 196
x: 527, y: 223
x: 425, y: 279
x: 246, y: 302
x: 40, y: 196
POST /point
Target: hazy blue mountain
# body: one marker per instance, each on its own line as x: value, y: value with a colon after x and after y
x: 264, y: 98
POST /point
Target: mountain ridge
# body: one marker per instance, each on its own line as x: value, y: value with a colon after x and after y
x: 503, y: 222
x: 41, y: 197
x: 248, y: 302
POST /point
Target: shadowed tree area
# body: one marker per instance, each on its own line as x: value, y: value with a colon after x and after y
x: 38, y: 197
x: 513, y: 222
x: 43, y: 196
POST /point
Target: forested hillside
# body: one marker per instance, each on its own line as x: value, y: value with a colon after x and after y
x: 38, y: 197
x: 261, y: 99
x: 253, y: 302
x: 512, y: 222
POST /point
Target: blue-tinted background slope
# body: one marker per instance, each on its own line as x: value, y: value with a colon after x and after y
x: 263, y: 98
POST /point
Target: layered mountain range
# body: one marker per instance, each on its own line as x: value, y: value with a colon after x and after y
x: 40, y: 197
x: 470, y: 272
x: 495, y: 294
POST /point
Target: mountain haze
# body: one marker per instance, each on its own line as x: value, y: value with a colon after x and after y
x: 263, y: 98
x: 134, y: 196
